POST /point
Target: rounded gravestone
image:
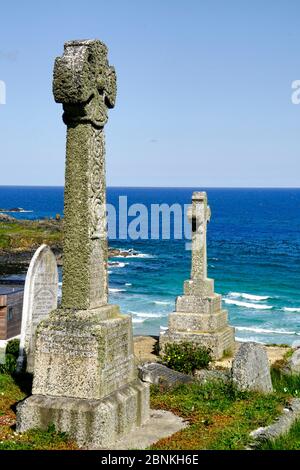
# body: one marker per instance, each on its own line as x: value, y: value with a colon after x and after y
x: 40, y: 298
x: 250, y: 368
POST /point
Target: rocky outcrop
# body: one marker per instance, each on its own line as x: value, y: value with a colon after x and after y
x: 6, y: 218
x: 18, y: 247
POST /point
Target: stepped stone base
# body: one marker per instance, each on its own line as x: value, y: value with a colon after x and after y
x: 219, y: 341
x: 85, y: 379
x: 84, y: 354
x: 91, y: 423
x: 183, y: 321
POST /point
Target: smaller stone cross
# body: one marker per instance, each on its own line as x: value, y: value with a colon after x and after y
x: 198, y: 215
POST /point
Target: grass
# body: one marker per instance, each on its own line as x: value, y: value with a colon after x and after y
x: 290, y: 441
x: 10, y: 394
x: 220, y: 417
x: 29, y: 234
x: 285, y: 384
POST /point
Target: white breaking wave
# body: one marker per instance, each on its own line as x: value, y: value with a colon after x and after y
x: 163, y: 328
x: 117, y: 264
x: 20, y: 211
x: 146, y: 314
x: 114, y: 289
x: 162, y: 302
x: 247, y: 304
x: 128, y: 284
x: 291, y: 309
x: 138, y: 320
x: 265, y: 330
x: 249, y: 296
x: 139, y: 255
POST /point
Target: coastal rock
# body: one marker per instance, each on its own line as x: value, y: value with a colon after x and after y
x: 250, y: 368
x: 13, y: 209
x: 6, y: 218
x: 159, y: 374
x: 117, y: 252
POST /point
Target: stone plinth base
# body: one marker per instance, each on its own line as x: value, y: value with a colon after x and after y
x: 219, y: 342
x: 91, y: 423
x: 182, y: 321
x: 84, y: 354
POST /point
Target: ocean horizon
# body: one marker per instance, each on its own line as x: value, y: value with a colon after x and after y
x: 253, y: 255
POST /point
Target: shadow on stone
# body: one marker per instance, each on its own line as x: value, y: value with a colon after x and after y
x: 24, y: 382
x: 155, y: 349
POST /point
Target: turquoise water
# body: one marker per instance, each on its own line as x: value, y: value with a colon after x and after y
x: 253, y: 255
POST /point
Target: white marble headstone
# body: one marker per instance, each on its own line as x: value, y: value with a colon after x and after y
x: 40, y: 298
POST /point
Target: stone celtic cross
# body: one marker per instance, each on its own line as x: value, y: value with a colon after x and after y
x: 85, y: 378
x: 199, y: 317
x: 86, y: 86
x: 199, y: 214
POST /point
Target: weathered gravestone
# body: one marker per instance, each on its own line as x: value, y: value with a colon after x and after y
x: 250, y: 368
x: 40, y: 298
x: 85, y: 379
x: 199, y: 317
x: 293, y: 363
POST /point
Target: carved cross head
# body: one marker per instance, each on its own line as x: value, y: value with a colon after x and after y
x: 84, y: 83
x: 199, y: 212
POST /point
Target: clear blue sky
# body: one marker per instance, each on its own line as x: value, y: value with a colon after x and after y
x: 204, y: 90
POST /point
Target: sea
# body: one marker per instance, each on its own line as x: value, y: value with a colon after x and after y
x: 253, y: 255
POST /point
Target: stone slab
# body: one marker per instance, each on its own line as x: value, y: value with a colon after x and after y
x: 161, y: 424
x: 159, y: 374
x: 96, y: 423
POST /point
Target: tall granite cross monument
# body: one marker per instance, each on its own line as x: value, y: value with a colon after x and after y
x: 199, y: 317
x: 85, y: 380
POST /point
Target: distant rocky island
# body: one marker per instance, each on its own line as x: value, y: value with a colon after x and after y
x: 15, y: 209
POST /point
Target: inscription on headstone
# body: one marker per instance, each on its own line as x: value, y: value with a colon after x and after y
x: 40, y: 298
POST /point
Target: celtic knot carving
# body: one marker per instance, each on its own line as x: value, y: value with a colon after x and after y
x: 96, y: 191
